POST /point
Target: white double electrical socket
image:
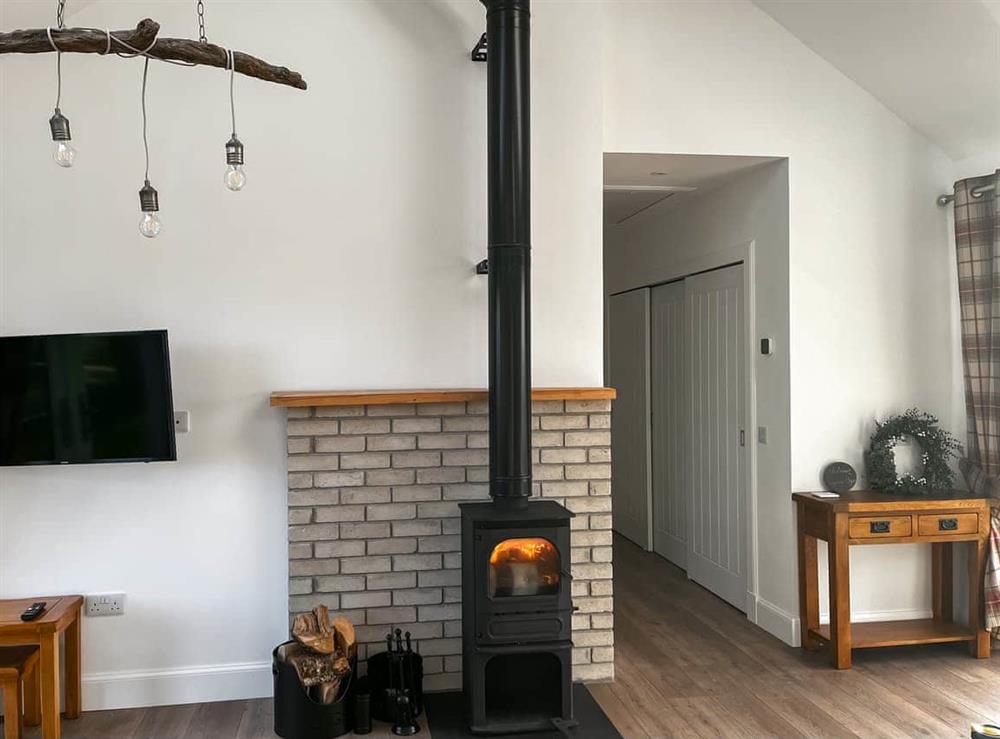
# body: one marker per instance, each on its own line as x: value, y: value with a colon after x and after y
x: 105, y: 604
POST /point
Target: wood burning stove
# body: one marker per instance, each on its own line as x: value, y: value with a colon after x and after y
x: 516, y: 590
x: 516, y: 616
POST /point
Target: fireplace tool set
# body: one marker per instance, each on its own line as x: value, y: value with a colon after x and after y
x: 396, y: 678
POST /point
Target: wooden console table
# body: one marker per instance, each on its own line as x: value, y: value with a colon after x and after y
x: 61, y: 616
x: 859, y: 518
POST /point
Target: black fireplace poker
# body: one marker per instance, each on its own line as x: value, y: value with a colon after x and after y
x: 509, y: 253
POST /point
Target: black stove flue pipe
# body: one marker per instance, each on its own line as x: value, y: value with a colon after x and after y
x: 509, y: 172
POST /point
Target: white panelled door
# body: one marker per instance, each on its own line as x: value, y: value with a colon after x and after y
x: 670, y: 420
x: 628, y: 345
x: 717, y: 464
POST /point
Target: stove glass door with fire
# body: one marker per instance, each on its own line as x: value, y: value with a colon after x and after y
x: 523, y: 588
x: 523, y: 567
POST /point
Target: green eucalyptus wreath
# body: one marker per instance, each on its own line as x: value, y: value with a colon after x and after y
x: 937, y: 447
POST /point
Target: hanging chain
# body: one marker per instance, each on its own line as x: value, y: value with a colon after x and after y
x: 60, y: 23
x: 145, y: 138
x: 201, y: 22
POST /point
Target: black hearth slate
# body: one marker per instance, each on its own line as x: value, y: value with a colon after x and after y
x: 445, y: 714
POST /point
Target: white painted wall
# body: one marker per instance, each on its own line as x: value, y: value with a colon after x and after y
x: 870, y: 269
x: 346, y: 263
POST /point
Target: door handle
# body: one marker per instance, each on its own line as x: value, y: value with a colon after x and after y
x: 743, y: 437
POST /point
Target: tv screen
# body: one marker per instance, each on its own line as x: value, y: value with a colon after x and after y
x: 86, y: 398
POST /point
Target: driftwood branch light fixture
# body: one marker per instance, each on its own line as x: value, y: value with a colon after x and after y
x: 145, y: 41
x: 194, y: 53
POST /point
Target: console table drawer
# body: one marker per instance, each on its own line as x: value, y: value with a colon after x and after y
x: 880, y: 527
x: 943, y: 524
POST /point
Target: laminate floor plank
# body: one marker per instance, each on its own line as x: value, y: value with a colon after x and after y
x: 168, y: 722
x: 221, y: 719
x: 257, y: 721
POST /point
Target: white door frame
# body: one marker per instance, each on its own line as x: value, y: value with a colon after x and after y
x: 744, y: 252
x: 638, y: 530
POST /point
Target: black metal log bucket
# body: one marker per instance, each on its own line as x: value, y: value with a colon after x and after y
x: 296, y: 715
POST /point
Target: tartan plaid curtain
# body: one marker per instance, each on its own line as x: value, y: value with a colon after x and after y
x: 991, y: 591
x: 977, y: 238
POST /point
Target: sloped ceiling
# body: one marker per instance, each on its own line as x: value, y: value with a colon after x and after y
x: 935, y: 63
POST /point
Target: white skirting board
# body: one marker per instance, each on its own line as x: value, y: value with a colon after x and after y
x: 197, y: 684
x: 774, y: 620
x: 785, y: 626
x: 908, y: 614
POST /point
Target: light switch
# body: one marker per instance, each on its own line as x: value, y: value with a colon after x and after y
x: 762, y: 434
x: 182, y: 422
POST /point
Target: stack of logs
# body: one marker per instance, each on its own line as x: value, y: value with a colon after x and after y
x: 324, y: 655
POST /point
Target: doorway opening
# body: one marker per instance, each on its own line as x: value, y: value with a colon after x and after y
x: 696, y: 272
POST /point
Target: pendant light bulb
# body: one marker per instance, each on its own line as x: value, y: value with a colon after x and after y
x: 235, y: 177
x: 63, y: 153
x: 149, y: 203
x: 150, y: 225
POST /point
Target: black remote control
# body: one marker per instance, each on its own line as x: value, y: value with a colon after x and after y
x: 33, y: 611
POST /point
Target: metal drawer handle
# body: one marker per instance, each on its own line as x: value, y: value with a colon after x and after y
x: 948, y: 524
x: 879, y: 527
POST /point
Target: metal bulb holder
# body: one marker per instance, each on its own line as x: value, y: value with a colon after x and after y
x: 149, y: 204
x: 235, y: 177
x: 64, y: 153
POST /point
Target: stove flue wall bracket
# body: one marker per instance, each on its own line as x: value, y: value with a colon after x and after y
x: 479, y: 55
x: 479, y: 50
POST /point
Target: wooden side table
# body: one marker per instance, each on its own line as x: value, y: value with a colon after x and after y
x: 61, y: 616
x: 864, y: 518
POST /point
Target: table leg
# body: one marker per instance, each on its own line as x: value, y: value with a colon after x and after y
x: 840, y: 595
x: 942, y: 579
x: 12, y: 710
x: 32, y: 706
x: 73, y: 677
x: 48, y: 667
x: 808, y: 590
x: 980, y: 646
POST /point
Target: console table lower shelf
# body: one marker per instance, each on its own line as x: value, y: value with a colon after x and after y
x: 869, y: 635
x: 863, y: 518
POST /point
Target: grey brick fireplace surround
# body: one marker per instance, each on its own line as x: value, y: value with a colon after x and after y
x: 373, y: 526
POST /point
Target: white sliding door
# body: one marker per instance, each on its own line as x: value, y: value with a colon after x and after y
x: 628, y: 349
x: 670, y: 421
x: 717, y: 465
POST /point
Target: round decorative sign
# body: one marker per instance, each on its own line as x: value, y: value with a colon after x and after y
x: 839, y: 477
x: 937, y: 446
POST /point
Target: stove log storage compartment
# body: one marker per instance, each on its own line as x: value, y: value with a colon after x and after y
x: 516, y: 586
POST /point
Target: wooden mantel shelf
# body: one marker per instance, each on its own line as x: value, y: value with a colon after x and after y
x: 320, y: 398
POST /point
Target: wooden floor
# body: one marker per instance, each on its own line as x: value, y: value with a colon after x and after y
x: 689, y: 665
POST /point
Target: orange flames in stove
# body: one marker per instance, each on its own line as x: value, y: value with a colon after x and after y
x: 527, y: 566
x: 523, y: 550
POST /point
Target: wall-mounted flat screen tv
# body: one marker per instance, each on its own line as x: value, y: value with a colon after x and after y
x: 86, y: 398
